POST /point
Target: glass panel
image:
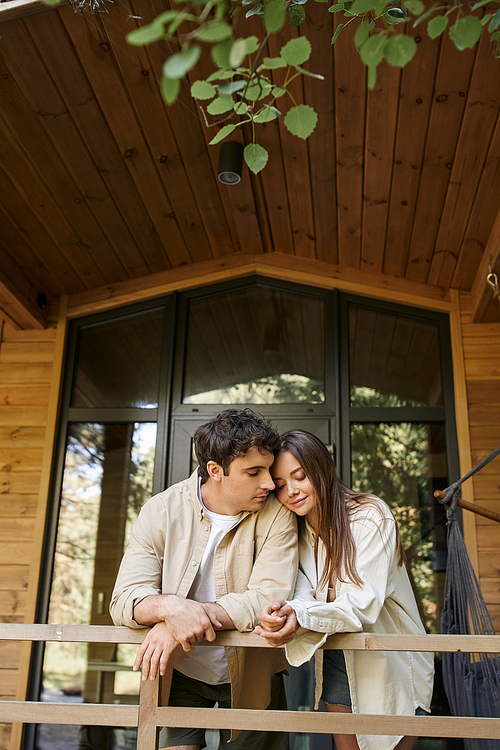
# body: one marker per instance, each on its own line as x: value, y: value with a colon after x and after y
x: 394, y: 360
x: 108, y: 475
x: 118, y: 363
x: 255, y: 346
x: 403, y: 464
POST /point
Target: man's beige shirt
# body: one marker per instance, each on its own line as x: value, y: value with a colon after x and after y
x: 254, y: 563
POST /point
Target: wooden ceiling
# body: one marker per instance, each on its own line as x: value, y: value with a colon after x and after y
x: 102, y: 183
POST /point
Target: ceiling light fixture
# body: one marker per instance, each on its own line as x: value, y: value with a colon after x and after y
x: 230, y: 163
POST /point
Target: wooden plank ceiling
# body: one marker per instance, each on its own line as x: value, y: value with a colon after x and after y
x: 102, y: 183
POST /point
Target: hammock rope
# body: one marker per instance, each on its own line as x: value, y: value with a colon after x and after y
x: 471, y: 681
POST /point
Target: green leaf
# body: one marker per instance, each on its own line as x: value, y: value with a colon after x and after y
x: 486, y: 18
x: 231, y: 87
x: 220, y: 75
x: 308, y: 73
x: 278, y: 91
x: 176, y: 23
x: 479, y: 5
x: 258, y: 10
x: 427, y: 13
x: 362, y: 34
x: 181, y: 63
x: 297, y: 15
x: 51, y: 2
x: 359, y: 7
x: 153, y: 32
x: 240, y: 108
x: 301, y: 120
x: 257, y: 90
x: 372, y: 51
x: 145, y: 35
x: 465, y: 32
x: 296, y: 51
x: 256, y: 157
x: 223, y: 132
x: 216, y: 31
x: 399, y: 50
x: 220, y: 105
x: 416, y: 7
x: 220, y: 53
x: 252, y: 44
x: 337, y: 32
x: 495, y: 37
x: 271, y: 63
x: 495, y: 22
x: 170, y: 88
x: 336, y: 8
x: 436, y: 26
x: 238, y: 53
x: 267, y: 114
x: 202, y: 90
x: 372, y: 77
x: 274, y: 16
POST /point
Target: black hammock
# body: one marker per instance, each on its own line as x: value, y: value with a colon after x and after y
x: 471, y: 681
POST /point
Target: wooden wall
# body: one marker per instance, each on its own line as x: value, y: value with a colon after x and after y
x: 25, y: 377
x: 481, y: 344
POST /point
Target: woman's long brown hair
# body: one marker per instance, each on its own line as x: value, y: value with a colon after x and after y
x: 336, y: 504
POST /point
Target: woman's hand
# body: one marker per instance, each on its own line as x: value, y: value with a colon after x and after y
x: 271, y: 615
x: 279, y: 623
x: 155, y: 651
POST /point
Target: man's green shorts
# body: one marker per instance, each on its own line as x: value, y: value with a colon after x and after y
x: 195, y: 694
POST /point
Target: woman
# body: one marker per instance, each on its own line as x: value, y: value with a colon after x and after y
x: 351, y: 579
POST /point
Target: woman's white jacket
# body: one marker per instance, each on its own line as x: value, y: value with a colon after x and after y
x: 381, y: 682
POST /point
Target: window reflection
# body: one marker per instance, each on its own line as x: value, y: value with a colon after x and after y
x: 108, y: 476
x: 118, y: 363
x: 403, y: 464
x: 394, y: 360
x: 255, y: 346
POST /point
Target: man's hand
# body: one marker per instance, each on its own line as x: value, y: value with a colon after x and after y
x: 155, y: 651
x: 288, y: 628
x: 188, y: 622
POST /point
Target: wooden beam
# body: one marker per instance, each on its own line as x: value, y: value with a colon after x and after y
x: 16, y: 307
x: 482, y: 293
x: 273, y: 265
x: 21, y: 8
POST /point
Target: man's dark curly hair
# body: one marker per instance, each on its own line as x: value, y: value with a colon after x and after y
x: 230, y: 435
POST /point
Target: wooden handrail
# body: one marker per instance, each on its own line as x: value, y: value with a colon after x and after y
x: 477, y: 509
x: 149, y: 716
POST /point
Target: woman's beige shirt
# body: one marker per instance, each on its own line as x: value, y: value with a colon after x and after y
x: 384, y: 682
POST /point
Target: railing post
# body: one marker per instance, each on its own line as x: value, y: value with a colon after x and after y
x: 147, y: 731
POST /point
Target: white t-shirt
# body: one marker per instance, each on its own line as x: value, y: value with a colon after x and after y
x: 206, y: 663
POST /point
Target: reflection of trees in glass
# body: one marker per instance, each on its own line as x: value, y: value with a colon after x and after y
x: 274, y: 389
x: 141, y: 472
x: 391, y: 460
x: 362, y: 396
x: 72, y: 582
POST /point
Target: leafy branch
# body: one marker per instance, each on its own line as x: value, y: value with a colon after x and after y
x: 245, y: 86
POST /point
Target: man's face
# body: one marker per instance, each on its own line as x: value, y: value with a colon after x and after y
x: 247, y: 483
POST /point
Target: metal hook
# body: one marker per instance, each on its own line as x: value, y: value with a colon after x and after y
x: 492, y: 280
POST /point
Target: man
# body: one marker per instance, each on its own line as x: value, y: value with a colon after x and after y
x: 205, y: 555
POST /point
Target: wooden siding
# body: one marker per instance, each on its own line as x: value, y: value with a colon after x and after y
x: 25, y: 375
x: 481, y: 344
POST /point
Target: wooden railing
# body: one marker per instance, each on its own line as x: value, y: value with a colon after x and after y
x: 149, y: 715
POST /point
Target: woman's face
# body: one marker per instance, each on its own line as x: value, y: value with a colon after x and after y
x: 293, y: 488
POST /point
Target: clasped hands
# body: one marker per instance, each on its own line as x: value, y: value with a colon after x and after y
x: 185, y: 623
x: 279, y: 623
